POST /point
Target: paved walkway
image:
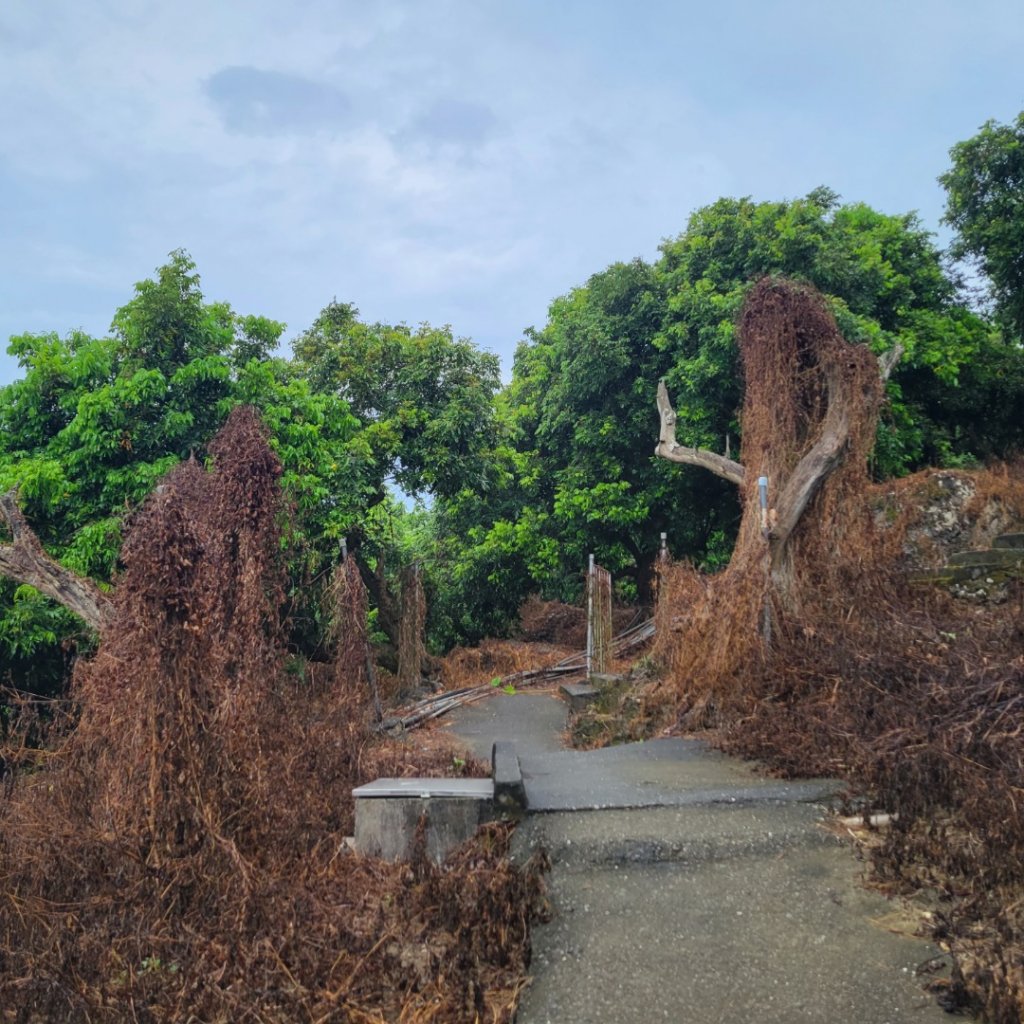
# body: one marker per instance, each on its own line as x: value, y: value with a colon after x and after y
x: 689, y: 889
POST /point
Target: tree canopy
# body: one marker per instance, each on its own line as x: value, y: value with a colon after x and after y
x: 985, y: 206
x: 578, y: 472
x: 516, y: 485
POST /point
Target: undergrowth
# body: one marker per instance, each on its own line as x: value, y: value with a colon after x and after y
x: 819, y: 657
x: 176, y: 852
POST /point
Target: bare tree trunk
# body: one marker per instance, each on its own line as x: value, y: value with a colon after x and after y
x: 25, y: 561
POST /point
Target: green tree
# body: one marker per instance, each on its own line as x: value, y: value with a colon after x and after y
x: 887, y: 286
x: 985, y: 206
x: 425, y: 403
x: 424, y: 397
x: 577, y: 471
x: 94, y: 423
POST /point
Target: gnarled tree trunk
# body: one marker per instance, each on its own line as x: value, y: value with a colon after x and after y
x: 810, y: 406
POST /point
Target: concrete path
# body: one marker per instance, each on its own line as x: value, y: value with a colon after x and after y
x: 687, y: 888
x: 533, y: 722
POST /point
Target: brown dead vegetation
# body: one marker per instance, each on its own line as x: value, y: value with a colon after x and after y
x: 179, y: 854
x: 564, y: 625
x: 825, y: 660
x: 496, y: 659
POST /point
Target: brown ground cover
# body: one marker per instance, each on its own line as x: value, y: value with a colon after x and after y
x: 176, y: 853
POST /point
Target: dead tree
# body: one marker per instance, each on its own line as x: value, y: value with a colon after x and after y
x: 810, y: 405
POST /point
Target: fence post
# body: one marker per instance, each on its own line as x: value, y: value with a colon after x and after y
x: 590, y: 616
x: 599, y: 618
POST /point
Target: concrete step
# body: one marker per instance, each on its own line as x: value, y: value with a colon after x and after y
x: 659, y: 773
x: 1009, y: 540
x: 996, y: 558
x: 677, y: 835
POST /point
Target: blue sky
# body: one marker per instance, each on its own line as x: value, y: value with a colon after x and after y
x: 456, y: 161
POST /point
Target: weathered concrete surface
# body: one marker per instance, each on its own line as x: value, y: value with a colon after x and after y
x: 509, y: 791
x: 684, y: 835
x: 702, y: 892
x: 755, y: 915
x: 388, y: 811
x: 532, y: 722
x: 659, y: 773
x: 578, y: 695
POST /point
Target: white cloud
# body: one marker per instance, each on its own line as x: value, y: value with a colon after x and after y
x: 426, y: 156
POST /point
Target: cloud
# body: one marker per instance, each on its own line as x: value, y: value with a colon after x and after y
x: 251, y: 101
x: 452, y: 122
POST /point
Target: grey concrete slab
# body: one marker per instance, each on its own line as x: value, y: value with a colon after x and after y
x: 386, y: 824
x: 779, y: 939
x: 659, y: 773
x: 532, y: 722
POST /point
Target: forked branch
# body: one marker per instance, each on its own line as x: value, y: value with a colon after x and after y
x: 669, y: 449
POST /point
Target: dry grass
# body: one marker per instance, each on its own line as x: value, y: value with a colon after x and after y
x: 849, y: 670
x: 472, y: 666
x: 178, y: 854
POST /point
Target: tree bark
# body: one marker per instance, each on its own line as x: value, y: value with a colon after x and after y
x: 667, y: 447
x: 25, y: 561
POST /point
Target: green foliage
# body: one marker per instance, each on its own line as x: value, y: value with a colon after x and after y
x: 575, y: 472
x: 887, y: 285
x: 94, y: 424
x: 423, y: 397
x: 513, y: 488
x: 985, y: 206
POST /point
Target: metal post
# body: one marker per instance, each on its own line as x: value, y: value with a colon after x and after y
x: 663, y: 553
x: 344, y: 549
x: 762, y: 493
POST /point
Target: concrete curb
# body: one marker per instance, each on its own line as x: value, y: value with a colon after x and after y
x: 509, y: 791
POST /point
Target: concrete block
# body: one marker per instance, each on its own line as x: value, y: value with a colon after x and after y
x: 509, y: 791
x: 388, y: 812
x: 579, y: 695
x: 605, y: 680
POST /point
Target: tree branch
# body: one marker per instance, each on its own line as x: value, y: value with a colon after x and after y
x: 667, y: 447
x: 826, y: 453
x: 888, y: 361
x: 25, y: 561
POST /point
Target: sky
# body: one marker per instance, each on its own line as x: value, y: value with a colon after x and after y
x: 461, y: 162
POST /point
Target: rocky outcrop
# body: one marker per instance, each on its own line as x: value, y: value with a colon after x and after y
x: 980, y: 575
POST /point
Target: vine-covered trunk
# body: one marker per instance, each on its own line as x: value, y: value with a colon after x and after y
x: 810, y: 409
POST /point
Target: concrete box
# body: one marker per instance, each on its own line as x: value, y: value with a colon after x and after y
x: 388, y: 811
